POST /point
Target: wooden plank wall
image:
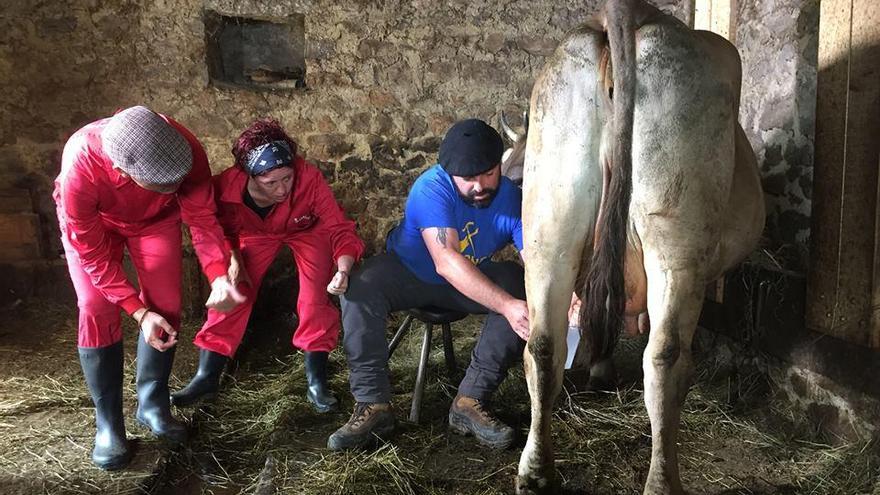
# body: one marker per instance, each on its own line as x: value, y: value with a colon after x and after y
x: 843, y: 281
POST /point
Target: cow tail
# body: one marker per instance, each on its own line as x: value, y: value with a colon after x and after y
x: 604, y: 293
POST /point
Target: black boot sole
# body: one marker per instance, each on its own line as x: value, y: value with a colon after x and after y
x: 380, y: 434
x: 171, y: 439
x: 322, y: 409
x: 461, y: 427
x: 114, y: 464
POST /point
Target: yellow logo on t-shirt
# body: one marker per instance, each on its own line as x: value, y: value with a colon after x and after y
x: 466, y: 237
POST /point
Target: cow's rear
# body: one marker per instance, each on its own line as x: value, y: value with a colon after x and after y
x: 690, y: 167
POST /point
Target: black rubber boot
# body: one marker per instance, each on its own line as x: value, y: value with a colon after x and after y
x: 154, y: 402
x: 102, y: 367
x: 316, y: 374
x: 204, y: 385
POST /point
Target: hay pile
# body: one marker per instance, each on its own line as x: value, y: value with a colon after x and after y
x: 262, y: 437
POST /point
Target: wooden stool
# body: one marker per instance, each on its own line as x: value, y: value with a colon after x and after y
x: 430, y: 316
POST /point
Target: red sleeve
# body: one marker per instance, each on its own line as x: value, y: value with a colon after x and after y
x: 227, y: 215
x: 343, y: 235
x: 84, y: 230
x: 199, y: 211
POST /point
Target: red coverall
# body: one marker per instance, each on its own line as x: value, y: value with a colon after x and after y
x: 316, y: 230
x: 100, y: 212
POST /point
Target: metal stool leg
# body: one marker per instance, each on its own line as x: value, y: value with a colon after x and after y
x: 399, y: 335
x: 449, y: 352
x: 420, y: 377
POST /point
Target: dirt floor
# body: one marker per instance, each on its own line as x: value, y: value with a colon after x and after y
x: 262, y: 437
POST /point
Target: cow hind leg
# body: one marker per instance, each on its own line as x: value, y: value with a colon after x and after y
x: 562, y: 187
x: 544, y: 360
x: 674, y: 302
x: 554, y: 233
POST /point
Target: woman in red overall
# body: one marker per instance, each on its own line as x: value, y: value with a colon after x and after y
x: 125, y: 184
x: 271, y: 198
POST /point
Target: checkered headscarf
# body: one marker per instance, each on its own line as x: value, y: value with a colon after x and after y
x: 146, y: 147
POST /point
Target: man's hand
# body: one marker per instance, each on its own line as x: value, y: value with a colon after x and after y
x: 237, y: 274
x: 224, y: 296
x: 157, y: 332
x: 517, y: 313
x: 574, y: 311
x: 339, y: 284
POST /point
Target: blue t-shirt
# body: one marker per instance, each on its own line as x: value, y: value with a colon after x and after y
x: 434, y: 202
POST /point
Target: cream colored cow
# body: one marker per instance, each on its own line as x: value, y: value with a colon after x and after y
x: 645, y: 185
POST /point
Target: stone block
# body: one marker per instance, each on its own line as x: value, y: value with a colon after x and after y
x: 430, y: 144
x: 326, y: 124
x: 15, y: 201
x: 360, y: 123
x: 19, y: 236
x: 320, y: 49
x: 383, y: 125
x: 382, y: 99
x: 355, y: 164
x: 494, y: 42
x: 417, y: 161
x: 327, y: 146
x: 438, y: 123
x: 537, y: 45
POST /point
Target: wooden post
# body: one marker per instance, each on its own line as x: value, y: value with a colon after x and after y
x: 875, y: 306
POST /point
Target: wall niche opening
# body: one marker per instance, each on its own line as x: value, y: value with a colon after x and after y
x: 255, y: 53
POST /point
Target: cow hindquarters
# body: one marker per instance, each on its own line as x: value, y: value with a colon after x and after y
x: 674, y: 303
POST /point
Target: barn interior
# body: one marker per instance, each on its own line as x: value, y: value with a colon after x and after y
x: 787, y: 396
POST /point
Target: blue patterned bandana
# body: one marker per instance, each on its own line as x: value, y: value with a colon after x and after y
x: 268, y: 156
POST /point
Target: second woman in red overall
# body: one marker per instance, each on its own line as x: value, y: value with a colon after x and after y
x: 272, y: 198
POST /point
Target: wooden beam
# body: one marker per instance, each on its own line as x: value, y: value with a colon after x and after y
x: 875, y: 305
x: 715, y: 16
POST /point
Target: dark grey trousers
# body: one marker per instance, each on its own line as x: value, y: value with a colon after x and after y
x: 382, y: 285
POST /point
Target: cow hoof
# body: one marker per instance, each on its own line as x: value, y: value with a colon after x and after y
x: 663, y: 492
x: 529, y: 485
x: 661, y: 487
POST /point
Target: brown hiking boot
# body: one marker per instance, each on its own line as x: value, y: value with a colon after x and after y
x: 367, y: 423
x: 470, y: 416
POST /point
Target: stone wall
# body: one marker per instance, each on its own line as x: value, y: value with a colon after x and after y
x: 778, y: 43
x: 383, y: 82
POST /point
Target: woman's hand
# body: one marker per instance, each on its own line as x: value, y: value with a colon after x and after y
x: 157, y: 332
x: 339, y: 284
x: 224, y: 295
x: 237, y: 274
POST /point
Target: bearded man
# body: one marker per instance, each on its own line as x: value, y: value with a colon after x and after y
x: 458, y: 214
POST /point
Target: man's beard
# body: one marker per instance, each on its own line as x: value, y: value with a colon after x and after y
x: 482, y: 203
